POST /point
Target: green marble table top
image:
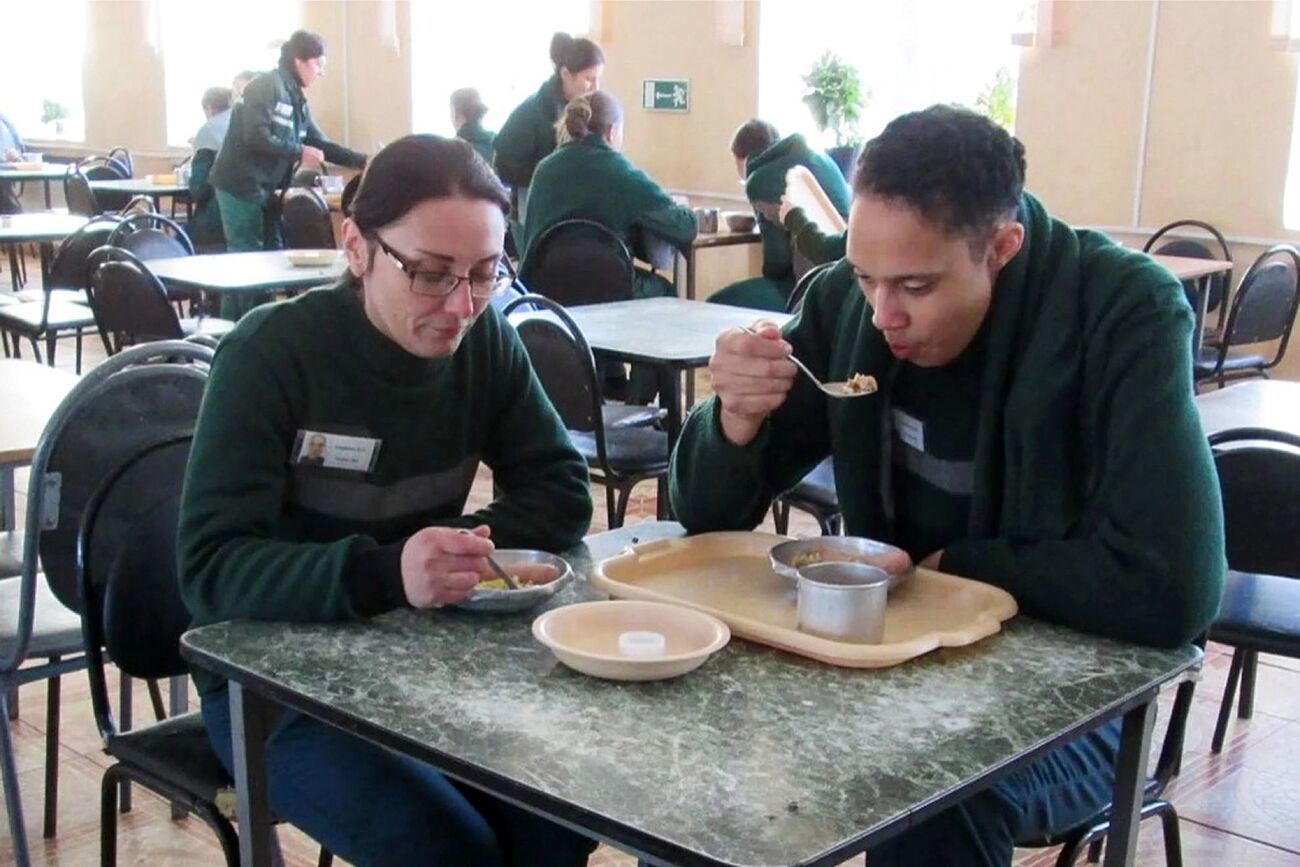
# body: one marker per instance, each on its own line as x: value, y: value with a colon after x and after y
x: 758, y: 757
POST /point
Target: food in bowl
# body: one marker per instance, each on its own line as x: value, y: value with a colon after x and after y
x: 788, y: 558
x: 527, y: 574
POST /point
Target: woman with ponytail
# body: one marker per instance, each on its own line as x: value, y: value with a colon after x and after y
x: 528, y: 134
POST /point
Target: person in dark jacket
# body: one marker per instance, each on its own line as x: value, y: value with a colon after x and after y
x: 271, y: 130
x: 204, y: 226
x: 528, y: 134
x: 762, y: 161
x: 467, y: 110
x: 1034, y: 429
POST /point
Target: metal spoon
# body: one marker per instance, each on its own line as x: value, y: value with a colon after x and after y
x: 505, y: 576
x: 834, y: 389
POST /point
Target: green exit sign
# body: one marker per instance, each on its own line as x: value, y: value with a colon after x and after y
x: 666, y: 94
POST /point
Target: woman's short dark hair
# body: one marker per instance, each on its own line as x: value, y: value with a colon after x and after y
x: 418, y: 168
x: 592, y: 113
x: 301, y: 45
x: 574, y: 53
x: 217, y: 99
x: 956, y: 168
x: 752, y: 138
x: 468, y: 104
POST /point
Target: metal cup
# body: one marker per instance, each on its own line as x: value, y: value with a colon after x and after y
x: 843, y: 601
x: 706, y: 220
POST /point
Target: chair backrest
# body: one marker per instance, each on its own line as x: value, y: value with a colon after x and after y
x: 77, y: 193
x: 71, y: 266
x: 305, y: 178
x: 1193, y: 249
x: 106, y: 168
x: 140, y: 397
x: 579, y: 262
x: 563, y: 362
x: 151, y: 236
x: 1259, y: 475
x: 1265, y: 305
x: 794, y: 303
x: 123, y: 157
x: 306, y: 220
x: 127, y: 573
x: 130, y: 304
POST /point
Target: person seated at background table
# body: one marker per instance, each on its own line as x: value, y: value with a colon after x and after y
x: 11, y: 151
x: 413, y: 380
x: 762, y: 160
x: 528, y: 135
x: 588, y: 178
x: 467, y: 111
x: 204, y: 226
x: 271, y: 130
x: 807, y: 238
x: 1034, y: 429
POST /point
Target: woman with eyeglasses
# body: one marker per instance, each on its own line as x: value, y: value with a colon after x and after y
x: 336, y: 446
x: 271, y: 130
x: 528, y: 134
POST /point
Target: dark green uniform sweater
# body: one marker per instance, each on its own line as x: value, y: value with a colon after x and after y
x: 481, y: 139
x: 587, y: 179
x: 268, y: 127
x: 528, y: 135
x: 204, y: 227
x: 811, y: 242
x: 1093, y: 495
x: 264, y: 536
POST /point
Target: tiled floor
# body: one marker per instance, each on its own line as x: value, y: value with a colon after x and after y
x: 1238, y: 808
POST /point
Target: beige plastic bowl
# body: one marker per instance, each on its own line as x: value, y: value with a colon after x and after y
x: 585, y: 637
x: 163, y: 180
x: 312, y: 258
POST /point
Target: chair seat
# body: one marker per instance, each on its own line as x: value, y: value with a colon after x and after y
x: 1261, y: 612
x: 176, y: 751
x: 26, y: 318
x: 207, y: 325
x: 1207, y: 362
x: 69, y: 296
x: 817, y: 488
x: 11, y: 553
x: 630, y: 451
x: 55, y: 628
x: 618, y: 415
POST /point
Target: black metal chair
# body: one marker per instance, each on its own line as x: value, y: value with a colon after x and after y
x: 815, y: 493
x: 154, y: 236
x: 106, y: 168
x: 133, y: 610
x: 1259, y: 475
x: 619, y: 458
x: 131, y: 305
x: 1263, y: 310
x: 80, y: 198
x: 1217, y: 284
x: 305, y: 216
x: 123, y: 158
x: 59, y: 308
x: 138, y: 398
x: 579, y: 262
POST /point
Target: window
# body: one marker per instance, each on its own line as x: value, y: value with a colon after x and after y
x: 909, y: 56
x: 205, y: 46
x: 40, y: 75
x: 1286, y: 35
x: 498, y: 46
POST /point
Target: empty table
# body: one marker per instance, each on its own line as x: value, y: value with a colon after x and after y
x: 243, y: 272
x: 46, y: 173
x: 1266, y: 403
x: 41, y: 228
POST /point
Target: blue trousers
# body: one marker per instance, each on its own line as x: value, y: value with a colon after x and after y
x: 374, y: 808
x: 1054, y: 794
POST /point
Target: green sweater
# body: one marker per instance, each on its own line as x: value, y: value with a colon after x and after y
x: 269, y: 126
x: 265, y: 537
x: 1094, y: 502
x: 587, y: 179
x: 528, y: 135
x: 765, y: 182
x: 481, y: 139
x: 811, y: 242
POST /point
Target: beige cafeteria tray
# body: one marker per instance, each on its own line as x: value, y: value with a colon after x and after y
x: 728, y: 575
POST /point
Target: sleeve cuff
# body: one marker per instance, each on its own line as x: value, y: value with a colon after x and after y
x: 372, y: 578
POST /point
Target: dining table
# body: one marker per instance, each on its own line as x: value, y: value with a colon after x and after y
x: 29, y: 392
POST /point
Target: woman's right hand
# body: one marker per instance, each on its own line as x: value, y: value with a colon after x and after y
x: 441, y: 565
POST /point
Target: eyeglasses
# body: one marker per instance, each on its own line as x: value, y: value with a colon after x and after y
x: 440, y: 284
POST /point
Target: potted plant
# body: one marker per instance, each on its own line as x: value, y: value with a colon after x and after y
x: 997, y: 101
x: 835, y: 96
x: 53, y: 112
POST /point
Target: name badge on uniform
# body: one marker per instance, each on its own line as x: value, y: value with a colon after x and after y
x: 335, y: 451
x: 284, y: 109
x: 910, y: 430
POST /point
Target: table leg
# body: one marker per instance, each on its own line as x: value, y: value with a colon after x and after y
x: 47, y: 193
x: 690, y: 274
x: 250, y: 724
x: 47, y: 258
x: 1130, y: 784
x: 178, y: 701
x: 8, y: 503
x: 1202, y: 299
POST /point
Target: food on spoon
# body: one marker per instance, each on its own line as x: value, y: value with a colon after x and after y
x: 860, y: 383
x: 525, y: 573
